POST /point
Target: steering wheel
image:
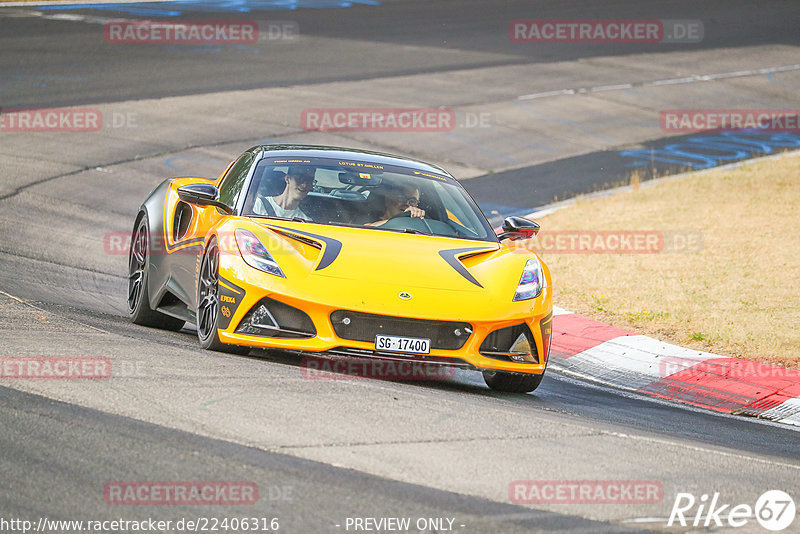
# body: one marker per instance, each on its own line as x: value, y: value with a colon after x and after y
x: 399, y: 215
x: 408, y: 214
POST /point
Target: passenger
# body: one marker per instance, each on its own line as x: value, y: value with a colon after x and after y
x: 299, y: 183
x: 398, y: 198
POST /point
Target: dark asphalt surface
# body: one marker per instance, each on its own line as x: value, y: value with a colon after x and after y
x: 83, y: 68
x: 57, y: 457
x: 52, y: 450
x: 62, y: 62
x: 574, y: 398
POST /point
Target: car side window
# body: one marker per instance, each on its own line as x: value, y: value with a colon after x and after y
x: 233, y: 181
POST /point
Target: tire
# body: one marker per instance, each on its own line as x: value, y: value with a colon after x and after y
x: 139, y: 310
x: 512, y: 382
x: 208, y: 304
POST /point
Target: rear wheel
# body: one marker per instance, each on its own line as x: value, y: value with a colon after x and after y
x: 139, y: 310
x: 208, y: 304
x: 512, y: 382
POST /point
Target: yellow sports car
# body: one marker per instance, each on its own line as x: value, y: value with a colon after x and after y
x: 342, y: 252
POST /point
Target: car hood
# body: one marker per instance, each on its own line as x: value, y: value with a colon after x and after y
x: 376, y: 256
x: 375, y: 270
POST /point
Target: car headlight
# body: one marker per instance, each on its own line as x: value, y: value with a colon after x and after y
x: 255, y: 254
x: 531, y: 283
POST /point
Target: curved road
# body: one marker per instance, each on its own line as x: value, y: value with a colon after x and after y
x: 322, y: 451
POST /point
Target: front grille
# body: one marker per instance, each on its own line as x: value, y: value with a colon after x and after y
x: 357, y: 326
x: 271, y: 318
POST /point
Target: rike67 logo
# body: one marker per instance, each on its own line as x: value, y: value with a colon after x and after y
x: 774, y: 510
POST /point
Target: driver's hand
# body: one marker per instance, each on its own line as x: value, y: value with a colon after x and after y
x: 416, y: 212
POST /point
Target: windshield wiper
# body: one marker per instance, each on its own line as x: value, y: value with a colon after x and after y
x: 262, y: 216
x: 293, y: 219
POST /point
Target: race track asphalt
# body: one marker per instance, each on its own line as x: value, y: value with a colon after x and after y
x: 346, y: 448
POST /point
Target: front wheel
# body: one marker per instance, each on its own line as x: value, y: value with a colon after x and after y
x: 208, y: 303
x: 512, y: 382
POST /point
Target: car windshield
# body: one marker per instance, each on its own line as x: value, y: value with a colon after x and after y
x: 362, y: 194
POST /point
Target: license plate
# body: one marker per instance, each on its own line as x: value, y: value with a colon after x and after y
x: 414, y: 345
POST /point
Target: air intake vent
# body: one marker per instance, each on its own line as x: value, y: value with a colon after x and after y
x: 512, y: 343
x: 271, y: 318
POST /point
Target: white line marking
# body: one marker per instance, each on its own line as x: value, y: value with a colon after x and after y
x: 548, y: 93
x: 666, y: 519
x: 26, y: 303
x: 669, y: 81
x: 69, y: 17
x: 673, y: 81
x: 612, y: 87
x: 700, y: 449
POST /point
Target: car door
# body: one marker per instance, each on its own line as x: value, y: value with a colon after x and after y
x: 190, y: 225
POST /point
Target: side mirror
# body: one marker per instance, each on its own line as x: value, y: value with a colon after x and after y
x: 202, y: 195
x: 518, y: 228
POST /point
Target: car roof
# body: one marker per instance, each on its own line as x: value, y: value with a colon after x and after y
x: 335, y: 152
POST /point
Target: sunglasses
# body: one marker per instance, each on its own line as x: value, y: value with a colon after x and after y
x: 304, y: 179
x: 411, y: 201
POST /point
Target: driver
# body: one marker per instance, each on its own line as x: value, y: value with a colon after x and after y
x: 399, y: 198
x: 299, y: 182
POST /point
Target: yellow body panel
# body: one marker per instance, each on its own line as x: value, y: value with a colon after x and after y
x: 367, y: 275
